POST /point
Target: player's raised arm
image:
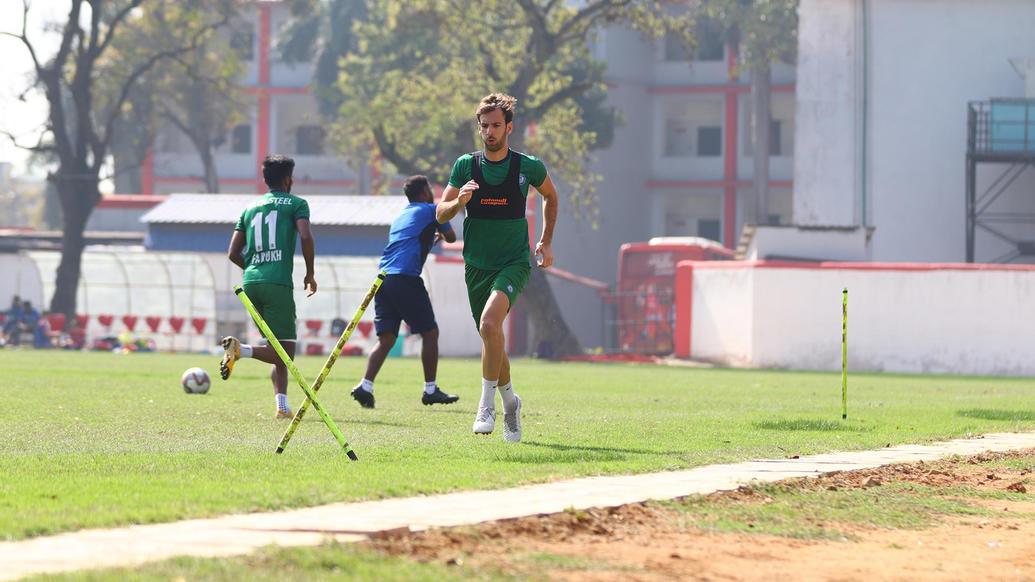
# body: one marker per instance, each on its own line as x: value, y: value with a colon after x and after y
x: 543, y: 249
x: 453, y: 199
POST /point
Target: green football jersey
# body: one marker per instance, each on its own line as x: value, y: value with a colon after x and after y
x: 269, y: 225
x: 492, y: 244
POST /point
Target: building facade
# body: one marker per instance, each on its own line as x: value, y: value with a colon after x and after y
x: 884, y: 88
x: 282, y: 118
x: 680, y: 164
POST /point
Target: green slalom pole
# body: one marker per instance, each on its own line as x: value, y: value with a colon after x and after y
x: 294, y: 370
x: 330, y: 360
x: 844, y: 353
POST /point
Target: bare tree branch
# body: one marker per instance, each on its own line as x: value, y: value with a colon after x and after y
x: 146, y: 66
x: 568, y: 92
x: 115, y: 22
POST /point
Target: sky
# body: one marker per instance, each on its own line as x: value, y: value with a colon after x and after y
x: 22, y: 118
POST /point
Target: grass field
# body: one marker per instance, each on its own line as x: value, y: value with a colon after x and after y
x: 99, y: 439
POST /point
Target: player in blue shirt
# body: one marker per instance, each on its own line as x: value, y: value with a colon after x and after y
x: 402, y: 296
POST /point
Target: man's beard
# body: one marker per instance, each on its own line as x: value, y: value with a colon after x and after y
x: 495, y: 147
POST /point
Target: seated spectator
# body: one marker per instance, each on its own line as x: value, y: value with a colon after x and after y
x: 14, y: 315
x: 75, y: 337
x: 41, y: 337
x: 29, y: 320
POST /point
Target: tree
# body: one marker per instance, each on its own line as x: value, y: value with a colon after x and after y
x: 82, y: 116
x: 766, y: 31
x: 196, y: 93
x: 408, y: 83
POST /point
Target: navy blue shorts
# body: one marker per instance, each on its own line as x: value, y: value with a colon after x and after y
x: 403, y: 298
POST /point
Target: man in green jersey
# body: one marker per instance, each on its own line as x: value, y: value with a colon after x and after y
x: 263, y: 245
x: 492, y: 186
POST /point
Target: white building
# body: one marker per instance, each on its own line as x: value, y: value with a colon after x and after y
x: 882, y: 125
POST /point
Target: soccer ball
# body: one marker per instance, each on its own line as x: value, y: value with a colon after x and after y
x: 195, y: 381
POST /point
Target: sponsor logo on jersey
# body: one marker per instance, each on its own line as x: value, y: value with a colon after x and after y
x: 494, y: 202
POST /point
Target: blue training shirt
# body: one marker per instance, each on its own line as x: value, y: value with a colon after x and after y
x: 410, y: 239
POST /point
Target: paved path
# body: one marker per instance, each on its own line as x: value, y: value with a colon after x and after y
x: 241, y: 534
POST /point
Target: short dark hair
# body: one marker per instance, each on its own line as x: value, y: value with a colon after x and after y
x: 277, y: 168
x: 501, y: 101
x: 414, y: 187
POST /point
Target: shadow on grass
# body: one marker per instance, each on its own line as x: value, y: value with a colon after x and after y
x: 811, y: 424
x: 570, y: 453
x: 993, y: 414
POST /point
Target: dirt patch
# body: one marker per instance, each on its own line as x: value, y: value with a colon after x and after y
x: 650, y: 541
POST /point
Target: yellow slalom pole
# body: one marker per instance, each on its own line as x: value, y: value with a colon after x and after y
x: 844, y: 353
x: 330, y: 360
x: 293, y: 369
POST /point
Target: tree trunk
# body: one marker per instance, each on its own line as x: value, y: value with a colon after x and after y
x: 79, y: 194
x: 547, y: 319
x: 209, y: 164
x: 761, y: 81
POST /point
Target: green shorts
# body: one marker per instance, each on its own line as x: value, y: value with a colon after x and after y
x: 276, y: 305
x: 509, y: 280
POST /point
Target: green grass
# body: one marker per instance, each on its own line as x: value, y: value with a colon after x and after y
x: 100, y: 439
x: 327, y: 562
x: 818, y: 515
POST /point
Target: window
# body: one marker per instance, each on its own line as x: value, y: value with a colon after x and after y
x: 241, y: 139
x: 709, y: 141
x: 774, y: 137
x: 242, y: 42
x: 708, y: 228
x: 309, y: 140
x: 691, y: 128
x: 675, y: 50
x: 710, y: 43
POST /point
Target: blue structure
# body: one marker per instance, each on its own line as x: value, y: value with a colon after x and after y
x: 1012, y: 125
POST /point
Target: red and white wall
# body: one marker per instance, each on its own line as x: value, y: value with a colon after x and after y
x: 902, y: 317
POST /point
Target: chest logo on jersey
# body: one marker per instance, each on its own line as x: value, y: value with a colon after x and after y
x: 522, y: 179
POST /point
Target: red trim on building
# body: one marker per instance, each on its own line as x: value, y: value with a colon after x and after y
x: 264, y: 45
x: 147, y: 173
x: 193, y: 179
x: 831, y: 265
x: 262, y: 146
x: 130, y: 201
x: 277, y: 90
x: 684, y: 291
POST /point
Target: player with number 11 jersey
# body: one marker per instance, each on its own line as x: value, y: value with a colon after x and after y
x: 269, y: 227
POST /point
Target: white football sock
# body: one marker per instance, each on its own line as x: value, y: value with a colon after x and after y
x: 507, y: 396
x: 429, y: 387
x: 246, y: 351
x: 488, y: 394
x: 282, y: 402
x: 367, y: 385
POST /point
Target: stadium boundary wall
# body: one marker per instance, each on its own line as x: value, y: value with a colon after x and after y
x: 902, y: 317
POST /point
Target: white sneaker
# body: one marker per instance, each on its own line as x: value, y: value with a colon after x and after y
x: 512, y: 423
x: 485, y: 421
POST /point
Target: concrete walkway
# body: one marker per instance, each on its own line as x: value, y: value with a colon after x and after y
x: 241, y: 534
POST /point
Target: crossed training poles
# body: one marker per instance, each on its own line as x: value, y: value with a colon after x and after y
x: 310, y: 391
